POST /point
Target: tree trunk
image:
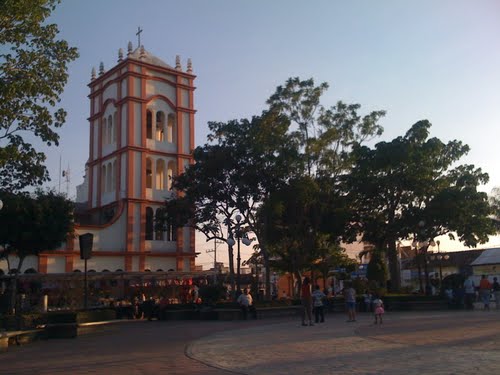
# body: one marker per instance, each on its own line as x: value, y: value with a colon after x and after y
x: 13, y: 310
x: 428, y: 290
x: 394, y: 271
x: 265, y: 255
x: 231, y: 269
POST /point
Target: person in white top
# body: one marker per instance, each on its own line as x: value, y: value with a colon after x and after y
x: 245, y: 301
x: 470, y: 293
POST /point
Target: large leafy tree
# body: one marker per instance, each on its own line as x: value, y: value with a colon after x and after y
x: 33, y: 73
x: 32, y: 223
x: 408, y: 188
x: 247, y: 161
x: 244, y: 161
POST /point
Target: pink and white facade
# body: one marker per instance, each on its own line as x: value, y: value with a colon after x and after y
x: 141, y: 128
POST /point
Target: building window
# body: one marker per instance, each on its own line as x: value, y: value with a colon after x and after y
x: 170, y: 174
x: 109, y: 177
x: 149, y: 125
x: 149, y: 174
x: 115, y: 129
x: 171, y: 230
x: 170, y: 128
x: 149, y: 223
x: 160, y: 213
x: 115, y: 177
x: 160, y: 122
x: 160, y: 174
x: 110, y: 129
x: 104, y: 126
x: 103, y: 179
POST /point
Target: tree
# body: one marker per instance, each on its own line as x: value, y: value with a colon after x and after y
x: 494, y: 199
x: 326, y: 135
x: 406, y: 189
x: 304, y: 224
x: 246, y: 160
x: 33, y: 73
x: 32, y: 223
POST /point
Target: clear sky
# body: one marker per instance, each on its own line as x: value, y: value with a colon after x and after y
x: 435, y: 60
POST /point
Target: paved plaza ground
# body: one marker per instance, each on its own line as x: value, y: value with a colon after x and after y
x: 444, y: 342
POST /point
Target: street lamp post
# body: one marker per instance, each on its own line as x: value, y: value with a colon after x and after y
x: 239, y: 234
x: 417, y: 260
x: 440, y: 258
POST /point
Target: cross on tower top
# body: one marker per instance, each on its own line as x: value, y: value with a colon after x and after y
x: 138, y: 33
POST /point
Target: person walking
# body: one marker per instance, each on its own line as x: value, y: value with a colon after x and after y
x: 485, y: 291
x: 496, y: 292
x: 306, y: 298
x: 318, y: 296
x: 350, y: 300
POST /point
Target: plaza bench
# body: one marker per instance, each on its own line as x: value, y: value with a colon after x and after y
x: 8, y: 338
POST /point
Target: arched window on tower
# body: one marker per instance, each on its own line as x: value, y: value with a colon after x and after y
x: 103, y: 179
x: 109, y: 177
x: 115, y: 177
x: 160, y: 123
x: 170, y: 128
x: 170, y: 230
x: 170, y: 174
x: 110, y: 129
x: 160, y: 212
x: 149, y: 125
x: 115, y: 128
x: 149, y: 224
x: 149, y: 174
x: 104, y: 126
x: 160, y: 174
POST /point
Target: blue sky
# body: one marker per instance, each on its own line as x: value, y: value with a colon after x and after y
x: 435, y: 60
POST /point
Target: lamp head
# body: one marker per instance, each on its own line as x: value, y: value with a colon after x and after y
x: 246, y: 241
x: 230, y: 241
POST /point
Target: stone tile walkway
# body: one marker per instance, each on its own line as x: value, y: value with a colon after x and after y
x: 407, y: 343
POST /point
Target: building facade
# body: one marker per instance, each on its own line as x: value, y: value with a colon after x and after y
x: 141, y: 127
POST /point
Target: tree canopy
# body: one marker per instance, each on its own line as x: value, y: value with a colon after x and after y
x: 33, y: 73
x: 32, y: 223
x: 410, y: 188
x: 246, y: 162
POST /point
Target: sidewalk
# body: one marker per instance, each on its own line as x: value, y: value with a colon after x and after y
x: 407, y: 343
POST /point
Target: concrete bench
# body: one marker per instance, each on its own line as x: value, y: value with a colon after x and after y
x: 8, y: 338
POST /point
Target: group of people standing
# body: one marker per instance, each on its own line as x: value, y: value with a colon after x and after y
x: 313, y: 302
x: 484, y: 291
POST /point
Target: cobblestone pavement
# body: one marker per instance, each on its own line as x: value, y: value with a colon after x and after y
x: 407, y: 343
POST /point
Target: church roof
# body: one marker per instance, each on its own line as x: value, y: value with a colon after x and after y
x: 141, y: 54
x: 489, y: 256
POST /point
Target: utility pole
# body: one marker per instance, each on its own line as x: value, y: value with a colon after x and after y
x: 215, y: 257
